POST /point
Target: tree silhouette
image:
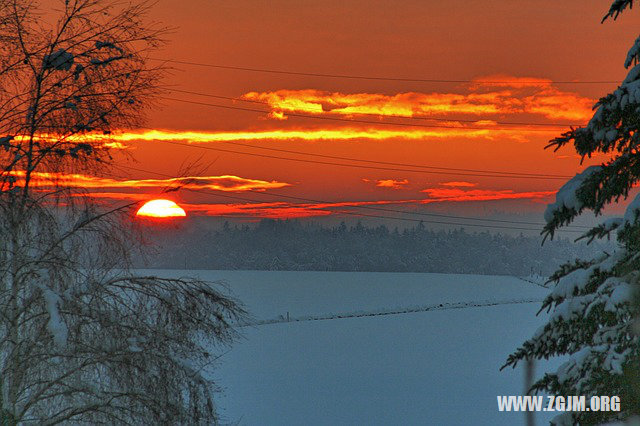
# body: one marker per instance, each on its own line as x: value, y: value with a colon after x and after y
x: 82, y: 338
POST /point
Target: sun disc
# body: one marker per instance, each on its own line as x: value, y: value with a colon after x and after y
x: 161, y: 208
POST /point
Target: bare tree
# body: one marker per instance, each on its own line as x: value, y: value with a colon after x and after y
x: 82, y: 338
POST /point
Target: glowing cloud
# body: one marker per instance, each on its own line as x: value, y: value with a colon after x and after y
x: 483, y: 97
x: 327, y: 134
x: 392, y: 183
x: 278, y: 210
x: 459, y: 184
x: 298, y: 210
x: 134, y: 190
x: 229, y: 183
x: 458, y: 195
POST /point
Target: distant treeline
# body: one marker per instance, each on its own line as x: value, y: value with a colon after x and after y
x: 296, y: 246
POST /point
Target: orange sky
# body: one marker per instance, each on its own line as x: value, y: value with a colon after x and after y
x: 476, y: 125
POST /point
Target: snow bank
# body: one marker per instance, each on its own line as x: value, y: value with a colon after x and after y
x: 435, y: 367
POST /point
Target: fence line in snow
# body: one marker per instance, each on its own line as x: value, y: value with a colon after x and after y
x: 385, y: 312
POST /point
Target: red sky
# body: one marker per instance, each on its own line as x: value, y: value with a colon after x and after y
x: 528, y: 44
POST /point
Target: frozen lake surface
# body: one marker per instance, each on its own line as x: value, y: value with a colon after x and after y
x: 437, y: 367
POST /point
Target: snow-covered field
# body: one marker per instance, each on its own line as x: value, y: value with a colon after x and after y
x: 439, y: 365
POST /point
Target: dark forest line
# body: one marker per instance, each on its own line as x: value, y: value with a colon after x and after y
x: 295, y: 246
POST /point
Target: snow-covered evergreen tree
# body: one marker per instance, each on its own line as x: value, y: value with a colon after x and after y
x: 593, y: 314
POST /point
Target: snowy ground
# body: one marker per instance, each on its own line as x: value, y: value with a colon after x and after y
x: 437, y: 366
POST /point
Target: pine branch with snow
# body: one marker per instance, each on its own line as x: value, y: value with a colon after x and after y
x: 594, y: 307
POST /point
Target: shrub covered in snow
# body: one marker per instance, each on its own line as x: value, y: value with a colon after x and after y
x: 83, y: 339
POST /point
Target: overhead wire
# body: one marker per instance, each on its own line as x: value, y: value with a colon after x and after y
x: 483, y: 172
x: 309, y: 200
x: 373, y: 78
x: 359, y: 166
x: 446, y: 120
x: 537, y: 175
x: 441, y: 170
x: 354, y: 120
x: 394, y: 164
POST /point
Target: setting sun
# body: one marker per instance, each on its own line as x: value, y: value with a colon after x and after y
x: 161, y: 208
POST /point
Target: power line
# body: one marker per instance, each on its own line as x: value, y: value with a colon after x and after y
x: 209, y: 192
x: 359, y: 166
x: 374, y: 78
x: 366, y: 207
x: 348, y: 120
x: 396, y: 164
x: 420, y: 166
x: 412, y: 213
x: 446, y: 120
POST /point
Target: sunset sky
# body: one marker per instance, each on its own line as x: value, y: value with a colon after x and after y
x: 472, y: 145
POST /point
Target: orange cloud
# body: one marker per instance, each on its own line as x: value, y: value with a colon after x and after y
x: 484, y: 97
x: 438, y: 195
x: 133, y: 189
x: 114, y: 145
x: 392, y: 183
x: 299, y: 210
x: 459, y: 184
x: 277, y: 115
x: 315, y: 134
x: 104, y: 140
x: 504, y: 80
x: 282, y: 210
x: 258, y: 210
x: 541, y: 97
x: 122, y: 196
x: 227, y: 183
